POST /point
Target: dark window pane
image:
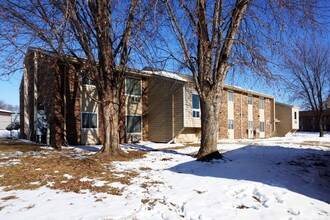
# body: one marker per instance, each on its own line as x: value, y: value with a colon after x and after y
x: 133, y: 124
x: 195, y: 101
x: 89, y: 120
x: 133, y: 86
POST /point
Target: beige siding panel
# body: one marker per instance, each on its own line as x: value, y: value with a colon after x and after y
x: 5, y: 119
x: 89, y: 136
x: 231, y: 116
x: 189, y: 135
x: 160, y: 119
x: 285, y: 114
x: 295, y: 121
x: 178, y: 112
x: 189, y: 120
x: 134, y: 108
x: 88, y: 97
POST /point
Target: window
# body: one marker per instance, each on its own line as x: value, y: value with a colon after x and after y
x: 250, y: 100
x: 262, y: 126
x: 250, y: 125
x: 230, y: 123
x: 133, y: 123
x: 133, y: 86
x: 261, y: 103
x: 87, y: 79
x: 230, y: 96
x: 89, y: 120
x: 195, y: 106
x: 295, y: 115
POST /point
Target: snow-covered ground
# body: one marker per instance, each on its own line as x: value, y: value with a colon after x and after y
x: 8, y: 134
x: 276, y: 178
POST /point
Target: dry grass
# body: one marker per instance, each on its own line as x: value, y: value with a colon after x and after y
x: 9, y: 198
x: 145, y: 168
x: 62, y: 173
x: 10, y: 145
x: 147, y: 185
x: 62, y: 170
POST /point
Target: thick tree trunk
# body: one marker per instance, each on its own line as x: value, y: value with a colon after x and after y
x: 110, y: 109
x: 210, y: 127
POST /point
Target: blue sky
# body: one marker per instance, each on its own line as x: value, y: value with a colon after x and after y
x: 9, y: 89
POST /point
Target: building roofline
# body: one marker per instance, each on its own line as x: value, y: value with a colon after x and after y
x: 281, y: 103
x: 6, y: 111
x: 148, y: 71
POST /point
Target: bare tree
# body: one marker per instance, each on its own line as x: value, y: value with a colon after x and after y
x: 9, y: 107
x: 216, y: 35
x: 308, y: 76
x: 103, y: 32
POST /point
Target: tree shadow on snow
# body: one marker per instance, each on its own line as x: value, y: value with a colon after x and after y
x: 305, y: 171
x: 88, y: 148
x: 131, y: 146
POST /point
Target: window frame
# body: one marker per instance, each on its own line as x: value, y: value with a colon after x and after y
x: 261, y: 103
x: 89, y: 128
x: 249, y: 125
x: 86, y: 76
x: 262, y: 126
x: 231, y: 126
x: 126, y: 83
x: 141, y: 125
x: 230, y: 96
x: 250, y: 99
x: 196, y: 112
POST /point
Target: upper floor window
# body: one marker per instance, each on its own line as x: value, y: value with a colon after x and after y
x: 295, y: 115
x: 249, y: 99
x: 89, y: 120
x: 133, y: 86
x: 195, y: 106
x: 87, y: 79
x: 230, y: 96
x: 261, y: 103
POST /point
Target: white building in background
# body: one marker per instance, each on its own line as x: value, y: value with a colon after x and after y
x: 5, y: 118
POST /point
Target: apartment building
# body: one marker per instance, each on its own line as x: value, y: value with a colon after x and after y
x: 58, y: 104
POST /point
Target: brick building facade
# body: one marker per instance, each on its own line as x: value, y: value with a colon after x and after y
x: 57, y: 105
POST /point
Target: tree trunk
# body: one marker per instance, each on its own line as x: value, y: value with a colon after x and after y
x: 321, y: 127
x: 210, y: 127
x: 110, y: 110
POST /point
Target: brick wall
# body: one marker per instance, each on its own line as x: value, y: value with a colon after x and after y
x: 223, y: 126
x: 241, y: 115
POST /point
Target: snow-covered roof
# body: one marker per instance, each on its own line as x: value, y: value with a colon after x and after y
x: 6, y: 111
x: 165, y: 74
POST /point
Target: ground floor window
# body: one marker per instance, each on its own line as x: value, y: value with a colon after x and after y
x: 133, y: 123
x: 250, y: 125
x: 196, y: 108
x: 262, y: 126
x: 89, y: 120
x: 230, y: 123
